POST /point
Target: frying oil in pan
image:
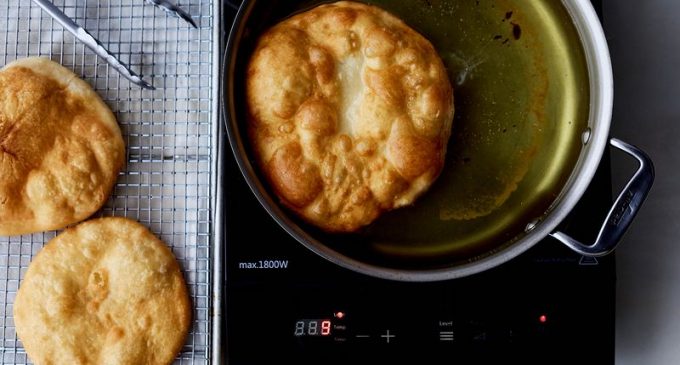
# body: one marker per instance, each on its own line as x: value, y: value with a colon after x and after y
x: 522, y: 94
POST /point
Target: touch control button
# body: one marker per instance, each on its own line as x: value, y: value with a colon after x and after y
x: 388, y: 336
x: 446, y: 336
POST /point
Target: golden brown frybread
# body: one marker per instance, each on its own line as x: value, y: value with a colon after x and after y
x: 350, y: 112
x: 104, y: 292
x: 60, y: 148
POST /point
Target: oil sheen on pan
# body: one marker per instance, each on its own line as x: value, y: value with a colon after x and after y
x: 521, y: 91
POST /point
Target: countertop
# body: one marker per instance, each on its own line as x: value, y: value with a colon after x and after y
x: 644, y: 37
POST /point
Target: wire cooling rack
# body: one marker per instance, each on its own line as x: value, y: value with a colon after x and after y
x: 170, y: 134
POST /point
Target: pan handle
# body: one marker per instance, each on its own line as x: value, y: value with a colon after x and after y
x: 624, y: 210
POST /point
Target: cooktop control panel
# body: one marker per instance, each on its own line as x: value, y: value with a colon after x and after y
x: 364, y: 329
x: 403, y: 324
x: 514, y: 317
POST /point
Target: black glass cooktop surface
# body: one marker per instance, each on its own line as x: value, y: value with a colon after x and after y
x: 285, y: 305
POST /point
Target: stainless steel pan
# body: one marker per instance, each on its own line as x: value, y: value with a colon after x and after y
x: 533, y: 89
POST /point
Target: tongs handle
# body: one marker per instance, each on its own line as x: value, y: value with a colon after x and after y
x: 173, y: 10
x: 91, y: 42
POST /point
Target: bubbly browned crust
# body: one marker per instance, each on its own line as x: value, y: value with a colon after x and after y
x: 350, y: 113
x: 60, y: 148
x: 104, y: 292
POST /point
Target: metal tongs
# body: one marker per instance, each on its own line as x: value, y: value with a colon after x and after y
x: 98, y: 48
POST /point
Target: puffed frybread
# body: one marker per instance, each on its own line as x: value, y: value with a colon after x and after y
x: 350, y: 112
x: 106, y: 291
x: 60, y: 148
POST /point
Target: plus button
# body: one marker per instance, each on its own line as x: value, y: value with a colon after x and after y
x: 388, y: 336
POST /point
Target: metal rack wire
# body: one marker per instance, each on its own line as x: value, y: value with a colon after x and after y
x: 169, y: 134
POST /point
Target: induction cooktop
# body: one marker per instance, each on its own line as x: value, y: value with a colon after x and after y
x: 285, y: 305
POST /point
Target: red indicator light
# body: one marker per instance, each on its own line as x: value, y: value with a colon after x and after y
x: 339, y: 315
x: 543, y: 318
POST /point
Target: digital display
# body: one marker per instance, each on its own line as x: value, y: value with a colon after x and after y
x: 313, y: 327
